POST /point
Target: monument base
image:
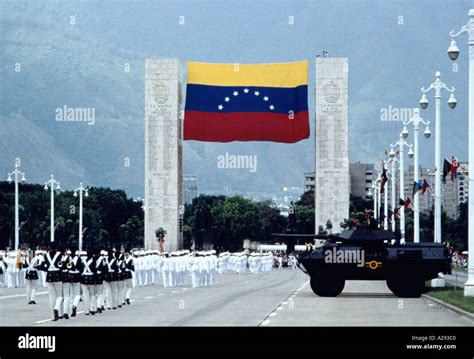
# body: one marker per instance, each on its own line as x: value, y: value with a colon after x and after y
x: 469, y: 289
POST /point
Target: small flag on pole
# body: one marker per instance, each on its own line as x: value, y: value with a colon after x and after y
x: 383, y: 177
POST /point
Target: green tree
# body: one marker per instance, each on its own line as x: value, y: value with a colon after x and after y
x: 236, y: 219
x: 304, y: 219
x: 307, y: 199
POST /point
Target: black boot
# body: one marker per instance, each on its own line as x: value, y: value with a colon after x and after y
x: 92, y: 313
x: 56, y: 315
x: 74, y: 311
x: 99, y: 310
x: 66, y: 316
x: 128, y: 301
x: 33, y: 302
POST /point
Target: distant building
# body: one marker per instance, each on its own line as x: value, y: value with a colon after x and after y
x: 309, y: 181
x: 426, y: 199
x: 362, y: 175
x: 454, y: 192
x: 190, y: 188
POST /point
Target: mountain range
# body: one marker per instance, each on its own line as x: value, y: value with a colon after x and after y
x: 91, y: 54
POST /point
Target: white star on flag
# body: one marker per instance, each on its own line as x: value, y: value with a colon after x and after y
x: 227, y: 99
x: 235, y: 93
x: 272, y: 107
x: 246, y: 90
x: 220, y: 107
x: 265, y: 98
x: 256, y: 93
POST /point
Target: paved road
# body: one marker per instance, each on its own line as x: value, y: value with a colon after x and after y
x: 267, y: 299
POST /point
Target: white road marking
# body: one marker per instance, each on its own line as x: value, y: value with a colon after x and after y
x: 160, y: 294
x: 266, y: 322
x: 284, y: 303
x: 273, y: 314
x: 279, y: 308
x: 20, y: 295
x: 149, y: 297
x: 49, y: 320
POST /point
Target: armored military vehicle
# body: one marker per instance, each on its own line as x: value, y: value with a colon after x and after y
x: 366, y: 254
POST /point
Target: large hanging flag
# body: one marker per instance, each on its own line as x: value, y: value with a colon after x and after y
x: 244, y: 102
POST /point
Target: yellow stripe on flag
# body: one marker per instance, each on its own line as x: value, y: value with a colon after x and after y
x: 288, y: 74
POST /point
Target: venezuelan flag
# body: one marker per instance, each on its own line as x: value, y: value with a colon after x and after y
x: 247, y: 102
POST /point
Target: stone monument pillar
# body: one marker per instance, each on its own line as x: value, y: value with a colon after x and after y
x: 332, y: 179
x: 163, y: 151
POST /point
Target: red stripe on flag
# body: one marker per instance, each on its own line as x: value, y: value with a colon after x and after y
x: 245, y: 126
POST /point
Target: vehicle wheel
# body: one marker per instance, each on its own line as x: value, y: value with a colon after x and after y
x: 406, y: 286
x: 326, y: 284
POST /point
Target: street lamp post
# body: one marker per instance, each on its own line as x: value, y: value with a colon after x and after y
x: 393, y: 179
x: 437, y: 86
x: 385, y: 201
x: 453, y: 52
x: 416, y: 120
x: 401, y: 143
x: 379, y: 198
x: 81, y: 189
x: 53, y: 185
x: 374, y: 195
x: 16, y: 173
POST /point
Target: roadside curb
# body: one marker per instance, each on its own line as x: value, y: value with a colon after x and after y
x: 449, y: 306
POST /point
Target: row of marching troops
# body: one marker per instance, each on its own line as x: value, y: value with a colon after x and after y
x: 103, y: 279
x: 151, y: 267
x: 106, y: 278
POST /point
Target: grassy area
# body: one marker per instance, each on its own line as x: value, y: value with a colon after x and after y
x: 453, y: 296
x: 460, y: 269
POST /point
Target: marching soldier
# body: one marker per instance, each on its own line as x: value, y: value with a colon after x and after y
x: 120, y: 278
x: 52, y: 265
x: 3, y: 269
x: 88, y: 280
x: 110, y: 284
x: 75, y: 270
x: 101, y: 269
x: 65, y: 258
x: 128, y: 270
x: 31, y: 276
